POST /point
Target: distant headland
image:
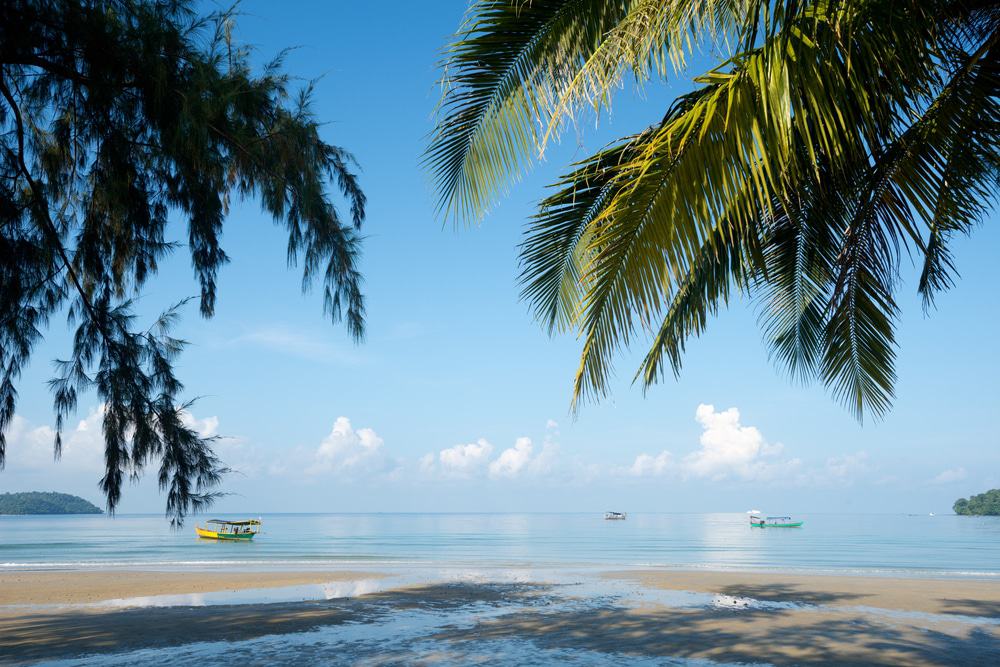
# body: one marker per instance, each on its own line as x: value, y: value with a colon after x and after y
x: 45, y: 502
x: 984, y: 504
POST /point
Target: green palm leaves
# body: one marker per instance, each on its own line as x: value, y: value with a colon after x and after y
x: 836, y: 137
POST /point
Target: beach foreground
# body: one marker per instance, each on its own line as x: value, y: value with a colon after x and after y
x: 633, y: 617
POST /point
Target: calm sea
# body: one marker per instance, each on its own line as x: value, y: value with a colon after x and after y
x: 835, y: 543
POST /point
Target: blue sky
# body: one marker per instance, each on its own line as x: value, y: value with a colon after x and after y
x: 458, y: 401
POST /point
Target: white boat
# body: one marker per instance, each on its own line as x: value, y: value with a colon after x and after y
x: 615, y: 516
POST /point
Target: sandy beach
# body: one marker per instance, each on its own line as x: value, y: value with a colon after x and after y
x: 612, y: 617
x: 931, y: 596
x: 74, y: 587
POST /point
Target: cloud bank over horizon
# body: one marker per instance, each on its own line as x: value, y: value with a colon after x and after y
x: 727, y: 450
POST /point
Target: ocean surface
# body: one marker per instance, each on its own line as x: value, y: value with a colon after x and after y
x: 890, y: 545
x: 838, y: 543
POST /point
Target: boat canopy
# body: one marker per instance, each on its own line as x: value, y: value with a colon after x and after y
x: 248, y: 522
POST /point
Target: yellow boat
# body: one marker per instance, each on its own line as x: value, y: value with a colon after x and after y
x: 217, y: 529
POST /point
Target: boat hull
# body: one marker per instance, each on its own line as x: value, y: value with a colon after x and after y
x: 215, y: 535
x: 793, y: 524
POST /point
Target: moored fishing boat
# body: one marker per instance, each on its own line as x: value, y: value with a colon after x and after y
x: 217, y: 529
x: 758, y: 521
x: 615, y: 516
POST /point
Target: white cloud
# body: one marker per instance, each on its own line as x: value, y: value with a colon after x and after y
x: 206, y: 427
x: 346, y: 450
x: 730, y: 449
x: 512, y: 461
x: 32, y: 447
x: 727, y: 450
x: 950, y: 475
x: 521, y: 460
x: 524, y: 460
x: 461, y: 461
x: 235, y: 452
x: 475, y: 460
x: 547, y: 461
x: 646, y: 465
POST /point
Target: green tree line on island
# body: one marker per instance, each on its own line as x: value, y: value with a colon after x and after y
x: 45, y: 502
x: 984, y: 504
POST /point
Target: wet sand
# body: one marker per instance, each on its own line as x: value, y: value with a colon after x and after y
x: 842, y: 620
x: 75, y: 587
x: 932, y: 596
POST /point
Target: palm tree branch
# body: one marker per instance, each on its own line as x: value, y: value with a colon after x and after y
x: 496, y: 74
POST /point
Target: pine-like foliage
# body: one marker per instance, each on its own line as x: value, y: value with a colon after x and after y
x: 115, y: 115
x: 834, y: 138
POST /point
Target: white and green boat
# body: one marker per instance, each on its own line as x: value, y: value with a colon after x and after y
x: 757, y: 521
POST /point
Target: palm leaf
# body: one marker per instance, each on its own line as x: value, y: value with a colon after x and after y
x: 800, y: 250
x: 724, y: 261
x: 967, y: 119
x: 554, y: 252
x: 858, y: 364
x: 800, y: 169
x: 653, y: 37
x: 517, y: 70
x: 495, y: 77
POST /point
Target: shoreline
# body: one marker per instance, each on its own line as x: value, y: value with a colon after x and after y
x: 363, y: 564
x: 891, y: 591
x: 76, y: 587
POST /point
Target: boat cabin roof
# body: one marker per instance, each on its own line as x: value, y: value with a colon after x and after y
x: 248, y: 522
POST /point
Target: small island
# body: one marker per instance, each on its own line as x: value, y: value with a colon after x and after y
x: 45, y: 502
x: 984, y: 504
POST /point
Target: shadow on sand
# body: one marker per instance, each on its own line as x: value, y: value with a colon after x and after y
x: 971, y: 607
x: 773, y: 592
x: 541, y: 616
x: 35, y: 636
x: 778, y: 637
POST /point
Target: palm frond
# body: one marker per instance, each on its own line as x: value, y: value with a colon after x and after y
x: 833, y: 138
x: 722, y: 264
x: 967, y: 123
x: 652, y: 38
x: 915, y: 177
x: 496, y: 73
x: 715, y: 156
x: 800, y: 250
x: 555, y: 250
x: 517, y: 71
x: 858, y: 363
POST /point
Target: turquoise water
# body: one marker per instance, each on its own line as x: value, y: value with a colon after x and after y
x: 835, y: 543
